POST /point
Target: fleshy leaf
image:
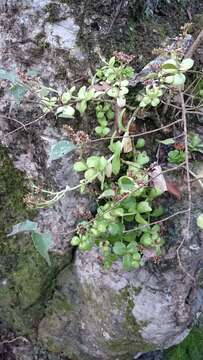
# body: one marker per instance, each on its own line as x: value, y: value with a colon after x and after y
x: 168, y: 141
x: 200, y: 221
x: 107, y: 193
x: 43, y: 242
x: 119, y: 248
x: 25, y: 226
x: 60, y: 149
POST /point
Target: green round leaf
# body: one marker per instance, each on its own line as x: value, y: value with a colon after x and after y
x: 143, y: 207
x: 80, y: 166
x: 140, y: 143
x: 75, y: 241
x: 119, y: 248
x: 186, y: 64
x: 200, y: 221
x: 126, y: 183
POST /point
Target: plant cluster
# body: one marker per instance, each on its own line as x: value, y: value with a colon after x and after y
x: 123, y: 226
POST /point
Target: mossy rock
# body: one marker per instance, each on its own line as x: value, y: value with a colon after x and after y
x: 26, y: 280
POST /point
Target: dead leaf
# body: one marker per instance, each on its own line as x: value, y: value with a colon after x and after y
x: 173, y: 189
x: 103, y: 86
x: 158, y: 179
x: 127, y: 143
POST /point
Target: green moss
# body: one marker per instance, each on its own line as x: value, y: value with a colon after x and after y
x: 190, y: 349
x: 26, y: 282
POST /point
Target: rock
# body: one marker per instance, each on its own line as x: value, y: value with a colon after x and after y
x: 117, y: 315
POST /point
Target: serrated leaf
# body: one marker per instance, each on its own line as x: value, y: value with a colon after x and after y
x: 60, y: 149
x: 24, y: 226
x: 200, y: 221
x: 43, y: 242
x: 119, y: 248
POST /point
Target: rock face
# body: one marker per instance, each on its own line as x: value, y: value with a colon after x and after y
x: 117, y: 315
x: 75, y: 307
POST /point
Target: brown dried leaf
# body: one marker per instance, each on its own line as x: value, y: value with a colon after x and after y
x: 173, y: 189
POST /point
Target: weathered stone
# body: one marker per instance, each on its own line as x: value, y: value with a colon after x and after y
x: 115, y: 314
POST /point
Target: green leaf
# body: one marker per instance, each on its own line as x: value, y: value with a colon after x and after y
x: 179, y: 79
x: 9, y: 75
x: 140, y: 143
x: 143, y: 207
x: 65, y: 111
x: 25, y: 226
x: 170, y: 64
x: 115, y: 229
x: 60, y: 149
x: 200, y: 221
x: 66, y: 97
x: 93, y: 162
x: 82, y: 93
x: 43, y: 242
x: 89, y: 94
x: 132, y: 247
x: 107, y: 194
x: 168, y: 141
x: 75, y: 241
x: 18, y: 91
x: 102, y: 163
x: 80, y: 166
x: 116, y: 164
x: 158, y: 211
x: 142, y: 158
x: 127, y: 261
x: 112, y: 61
x: 155, y: 102
x: 81, y: 106
x: 140, y: 219
x: 90, y: 174
x: 117, y: 211
x: 186, y: 64
x: 146, y: 239
x: 119, y: 248
x: 126, y: 183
